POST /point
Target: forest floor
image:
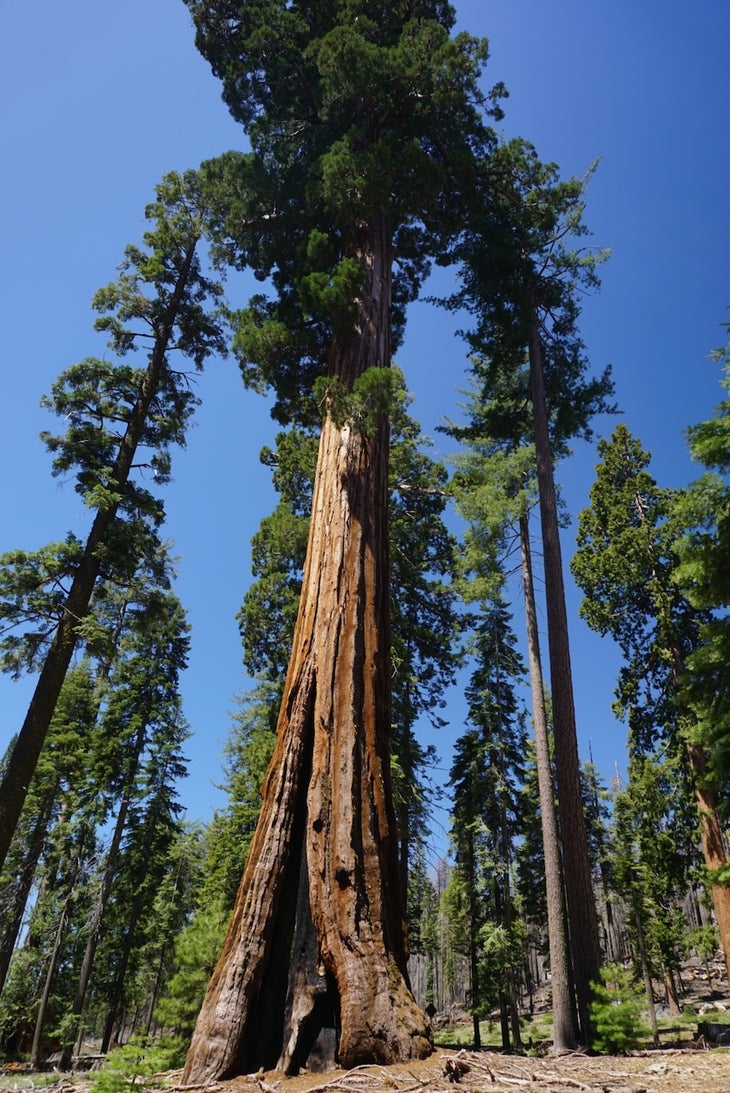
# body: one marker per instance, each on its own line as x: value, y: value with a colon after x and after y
x: 661, y: 1071
x: 688, y: 1070
x: 684, y: 1063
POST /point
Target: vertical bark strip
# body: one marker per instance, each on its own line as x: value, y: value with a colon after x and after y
x: 332, y: 734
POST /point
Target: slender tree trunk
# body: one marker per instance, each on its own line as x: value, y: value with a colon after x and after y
x: 24, y: 882
x: 508, y: 914
x: 501, y: 918
x: 646, y: 974
x: 581, y: 907
x: 474, y: 977
x: 35, y: 1051
x: 24, y: 758
x: 116, y: 995
x: 565, y: 1036
x: 476, y: 1030
x: 670, y: 986
x: 328, y: 791
x: 102, y: 899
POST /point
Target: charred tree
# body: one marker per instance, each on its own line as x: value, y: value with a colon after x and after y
x: 361, y: 119
x: 327, y: 801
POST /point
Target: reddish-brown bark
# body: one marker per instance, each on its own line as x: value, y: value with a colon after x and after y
x: 713, y: 845
x: 327, y: 801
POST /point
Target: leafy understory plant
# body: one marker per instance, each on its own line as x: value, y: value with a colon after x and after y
x: 616, y: 1012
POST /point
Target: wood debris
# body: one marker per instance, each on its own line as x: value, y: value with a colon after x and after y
x: 454, y: 1069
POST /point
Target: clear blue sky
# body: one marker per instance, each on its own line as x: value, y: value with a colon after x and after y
x: 101, y: 98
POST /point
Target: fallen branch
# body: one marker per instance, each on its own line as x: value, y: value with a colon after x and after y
x: 457, y: 1065
x: 572, y: 1083
x: 353, y: 1078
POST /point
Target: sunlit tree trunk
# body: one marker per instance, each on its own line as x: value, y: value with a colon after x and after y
x: 582, y: 918
x: 35, y: 1051
x: 327, y: 801
x: 564, y: 1019
x: 102, y: 900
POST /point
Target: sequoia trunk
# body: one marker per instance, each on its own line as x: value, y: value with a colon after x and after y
x: 327, y: 801
x: 713, y: 846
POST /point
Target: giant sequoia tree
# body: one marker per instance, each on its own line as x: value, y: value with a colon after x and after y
x: 424, y: 628
x: 362, y: 118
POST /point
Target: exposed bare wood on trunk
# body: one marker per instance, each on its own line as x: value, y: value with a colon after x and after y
x: 328, y: 785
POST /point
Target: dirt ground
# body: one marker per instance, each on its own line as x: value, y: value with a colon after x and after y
x: 691, y: 1070
x: 662, y: 1071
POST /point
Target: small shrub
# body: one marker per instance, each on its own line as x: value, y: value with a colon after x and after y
x: 616, y: 1012
x: 135, y: 1064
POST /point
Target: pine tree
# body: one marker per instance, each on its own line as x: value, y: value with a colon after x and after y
x: 247, y: 755
x: 522, y: 284
x: 118, y: 417
x: 654, y: 857
x: 60, y: 867
x: 625, y: 564
x: 495, y: 490
x: 141, y: 709
x: 64, y: 758
x: 485, y: 774
x: 702, y: 516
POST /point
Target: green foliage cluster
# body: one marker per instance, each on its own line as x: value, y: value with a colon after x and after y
x: 360, y: 119
x: 111, y: 764
x: 702, y: 545
x: 138, y: 1063
x: 372, y: 396
x: 616, y: 1012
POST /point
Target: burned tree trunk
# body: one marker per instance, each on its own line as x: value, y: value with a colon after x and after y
x: 327, y: 801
